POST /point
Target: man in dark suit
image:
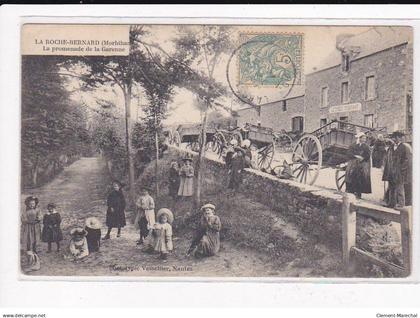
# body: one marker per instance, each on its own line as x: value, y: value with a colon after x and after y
x: 402, y: 168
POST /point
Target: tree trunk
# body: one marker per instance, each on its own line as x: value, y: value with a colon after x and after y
x: 157, y: 157
x: 35, y: 173
x: 130, y: 159
x: 203, y: 134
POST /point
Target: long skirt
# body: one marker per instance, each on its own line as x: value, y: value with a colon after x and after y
x: 186, y: 187
x: 30, y: 235
x: 209, y: 245
x: 115, y: 218
x: 358, y: 177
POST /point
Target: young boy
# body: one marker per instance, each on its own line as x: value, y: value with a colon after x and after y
x: 145, y: 218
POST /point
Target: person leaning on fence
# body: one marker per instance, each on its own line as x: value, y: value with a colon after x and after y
x: 358, y: 168
x: 401, y: 170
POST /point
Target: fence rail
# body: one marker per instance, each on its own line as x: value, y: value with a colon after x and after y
x: 348, y: 213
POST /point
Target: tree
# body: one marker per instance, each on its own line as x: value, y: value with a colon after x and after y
x: 206, y: 48
x: 52, y: 125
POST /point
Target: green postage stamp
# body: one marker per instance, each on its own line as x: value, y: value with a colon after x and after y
x: 270, y: 59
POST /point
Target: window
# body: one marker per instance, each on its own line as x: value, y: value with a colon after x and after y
x: 409, y: 104
x: 324, y: 97
x: 368, y: 121
x: 323, y: 122
x: 297, y: 124
x: 345, y: 92
x: 283, y: 105
x: 343, y: 120
x: 345, y: 62
x: 370, y: 90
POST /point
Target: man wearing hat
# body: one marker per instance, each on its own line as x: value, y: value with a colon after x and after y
x: 401, y: 171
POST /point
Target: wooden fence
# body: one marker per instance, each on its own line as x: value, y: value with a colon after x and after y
x: 350, y: 252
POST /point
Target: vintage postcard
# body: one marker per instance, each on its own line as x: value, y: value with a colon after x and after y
x: 214, y: 151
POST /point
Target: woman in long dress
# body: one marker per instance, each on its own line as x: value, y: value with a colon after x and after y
x: 358, y: 168
x: 115, y: 215
x: 30, y: 224
x: 187, y: 179
x: 206, y: 241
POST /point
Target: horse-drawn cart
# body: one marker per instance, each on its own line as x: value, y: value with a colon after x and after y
x: 190, y: 134
x: 262, y: 138
x: 326, y: 147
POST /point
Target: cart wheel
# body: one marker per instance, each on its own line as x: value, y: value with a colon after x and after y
x: 219, y: 142
x: 284, y: 142
x: 176, y: 138
x: 340, y: 179
x: 307, y: 159
x: 265, y: 157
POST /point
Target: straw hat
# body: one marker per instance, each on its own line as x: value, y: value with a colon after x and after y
x: 93, y: 223
x: 208, y: 206
x: 31, y: 198
x: 397, y: 133
x: 167, y: 212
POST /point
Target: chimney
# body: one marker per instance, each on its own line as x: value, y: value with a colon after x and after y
x: 340, y: 41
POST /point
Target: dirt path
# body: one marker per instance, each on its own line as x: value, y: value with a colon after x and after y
x: 80, y: 192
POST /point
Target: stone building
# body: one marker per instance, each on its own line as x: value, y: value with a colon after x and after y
x: 287, y: 114
x: 367, y: 81
x: 370, y: 83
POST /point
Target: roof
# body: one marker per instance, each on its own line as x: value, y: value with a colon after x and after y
x: 374, y: 40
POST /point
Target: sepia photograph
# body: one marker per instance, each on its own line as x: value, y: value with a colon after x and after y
x: 216, y: 151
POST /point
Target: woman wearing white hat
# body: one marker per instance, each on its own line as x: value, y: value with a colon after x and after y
x: 206, y: 241
x: 358, y: 168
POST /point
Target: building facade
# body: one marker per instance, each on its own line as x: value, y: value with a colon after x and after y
x: 369, y: 83
x: 370, y: 87
x: 287, y: 114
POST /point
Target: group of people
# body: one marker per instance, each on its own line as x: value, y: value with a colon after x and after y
x: 155, y: 230
x: 393, y: 155
x: 36, y: 228
x: 181, y: 178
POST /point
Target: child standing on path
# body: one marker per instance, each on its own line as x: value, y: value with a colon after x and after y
x: 51, y: 231
x: 31, y: 224
x: 145, y: 218
x: 162, y: 233
x: 115, y: 215
x: 187, y: 178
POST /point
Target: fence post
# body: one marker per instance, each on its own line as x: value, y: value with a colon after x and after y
x: 405, y: 214
x: 348, y: 227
